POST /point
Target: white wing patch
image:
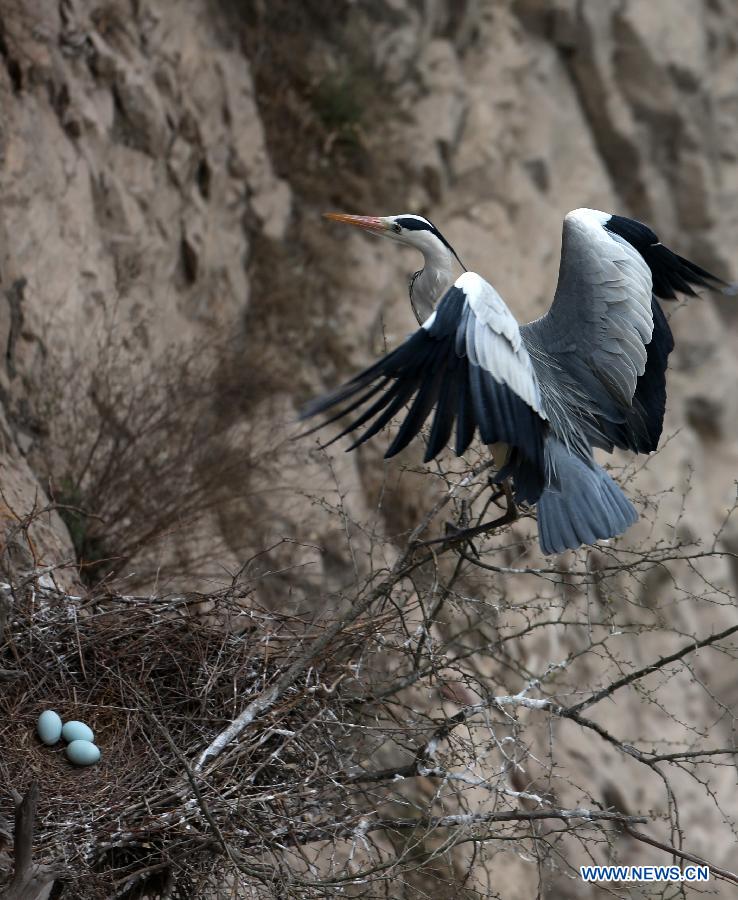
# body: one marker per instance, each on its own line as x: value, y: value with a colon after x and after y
x: 493, y: 340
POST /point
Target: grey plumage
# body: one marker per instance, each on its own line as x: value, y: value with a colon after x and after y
x: 589, y: 373
x: 580, y: 503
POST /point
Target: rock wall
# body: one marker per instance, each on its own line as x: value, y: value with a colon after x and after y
x: 163, y: 165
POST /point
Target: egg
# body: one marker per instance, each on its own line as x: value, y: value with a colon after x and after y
x: 49, y: 727
x: 82, y: 753
x: 77, y: 731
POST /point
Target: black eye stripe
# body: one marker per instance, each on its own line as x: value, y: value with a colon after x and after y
x: 425, y: 225
x: 417, y: 225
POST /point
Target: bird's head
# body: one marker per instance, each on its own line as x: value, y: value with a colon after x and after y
x: 428, y: 285
x: 407, y: 228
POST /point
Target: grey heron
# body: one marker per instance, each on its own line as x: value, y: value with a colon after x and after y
x: 590, y: 373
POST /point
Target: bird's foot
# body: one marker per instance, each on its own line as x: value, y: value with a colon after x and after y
x: 498, y: 492
x: 455, y: 535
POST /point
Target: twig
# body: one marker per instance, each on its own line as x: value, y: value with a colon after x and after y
x: 325, y: 831
x: 682, y: 854
x: 647, y: 670
x: 269, y: 697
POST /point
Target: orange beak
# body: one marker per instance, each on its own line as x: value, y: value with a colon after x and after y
x: 368, y: 223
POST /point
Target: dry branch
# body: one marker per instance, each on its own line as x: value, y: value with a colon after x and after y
x: 237, y: 740
x: 648, y: 670
x: 722, y: 874
x: 29, y: 882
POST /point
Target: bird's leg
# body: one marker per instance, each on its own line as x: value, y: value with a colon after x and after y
x: 452, y: 527
x: 497, y: 488
x: 498, y: 491
x: 510, y: 515
x: 458, y: 535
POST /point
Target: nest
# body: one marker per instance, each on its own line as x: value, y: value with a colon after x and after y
x: 157, y: 680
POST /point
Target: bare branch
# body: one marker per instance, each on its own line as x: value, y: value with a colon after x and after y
x: 648, y: 670
x: 723, y: 874
x: 267, y: 699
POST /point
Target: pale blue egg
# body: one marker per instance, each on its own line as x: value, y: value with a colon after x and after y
x: 77, y: 731
x: 82, y: 753
x: 49, y: 727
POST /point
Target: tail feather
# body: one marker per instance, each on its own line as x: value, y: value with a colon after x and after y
x: 581, y: 504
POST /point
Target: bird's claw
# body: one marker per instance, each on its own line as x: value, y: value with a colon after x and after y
x: 453, y: 534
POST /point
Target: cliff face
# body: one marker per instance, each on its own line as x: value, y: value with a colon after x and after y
x: 163, y: 167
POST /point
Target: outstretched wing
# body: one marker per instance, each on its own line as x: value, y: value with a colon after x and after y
x: 605, y: 328
x: 601, y: 315
x: 671, y: 273
x: 467, y: 362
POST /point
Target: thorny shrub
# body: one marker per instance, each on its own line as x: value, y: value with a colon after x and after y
x: 139, y: 448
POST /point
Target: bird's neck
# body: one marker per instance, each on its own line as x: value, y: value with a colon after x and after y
x: 430, y: 284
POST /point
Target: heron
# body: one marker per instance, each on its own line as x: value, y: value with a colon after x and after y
x: 590, y: 373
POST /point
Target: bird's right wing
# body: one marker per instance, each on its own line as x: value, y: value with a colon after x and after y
x: 467, y: 361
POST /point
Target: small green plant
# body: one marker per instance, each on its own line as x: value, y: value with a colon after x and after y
x: 338, y: 101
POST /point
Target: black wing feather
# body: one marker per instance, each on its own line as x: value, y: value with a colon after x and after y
x: 419, y: 412
x: 670, y: 272
x: 377, y: 406
x: 431, y: 369
x: 443, y: 421
x: 466, y: 423
x: 404, y: 392
x: 344, y: 412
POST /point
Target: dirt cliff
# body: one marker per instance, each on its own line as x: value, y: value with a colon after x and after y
x: 163, y: 167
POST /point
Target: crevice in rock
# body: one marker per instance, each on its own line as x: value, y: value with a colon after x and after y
x: 12, y: 66
x: 189, y: 261
x: 203, y: 176
x: 14, y: 296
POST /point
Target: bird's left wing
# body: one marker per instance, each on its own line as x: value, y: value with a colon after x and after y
x: 605, y: 332
x: 600, y: 321
x: 467, y: 361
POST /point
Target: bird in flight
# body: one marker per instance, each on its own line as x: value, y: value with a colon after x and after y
x: 590, y: 373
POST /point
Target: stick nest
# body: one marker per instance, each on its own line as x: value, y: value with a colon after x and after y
x: 157, y: 680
